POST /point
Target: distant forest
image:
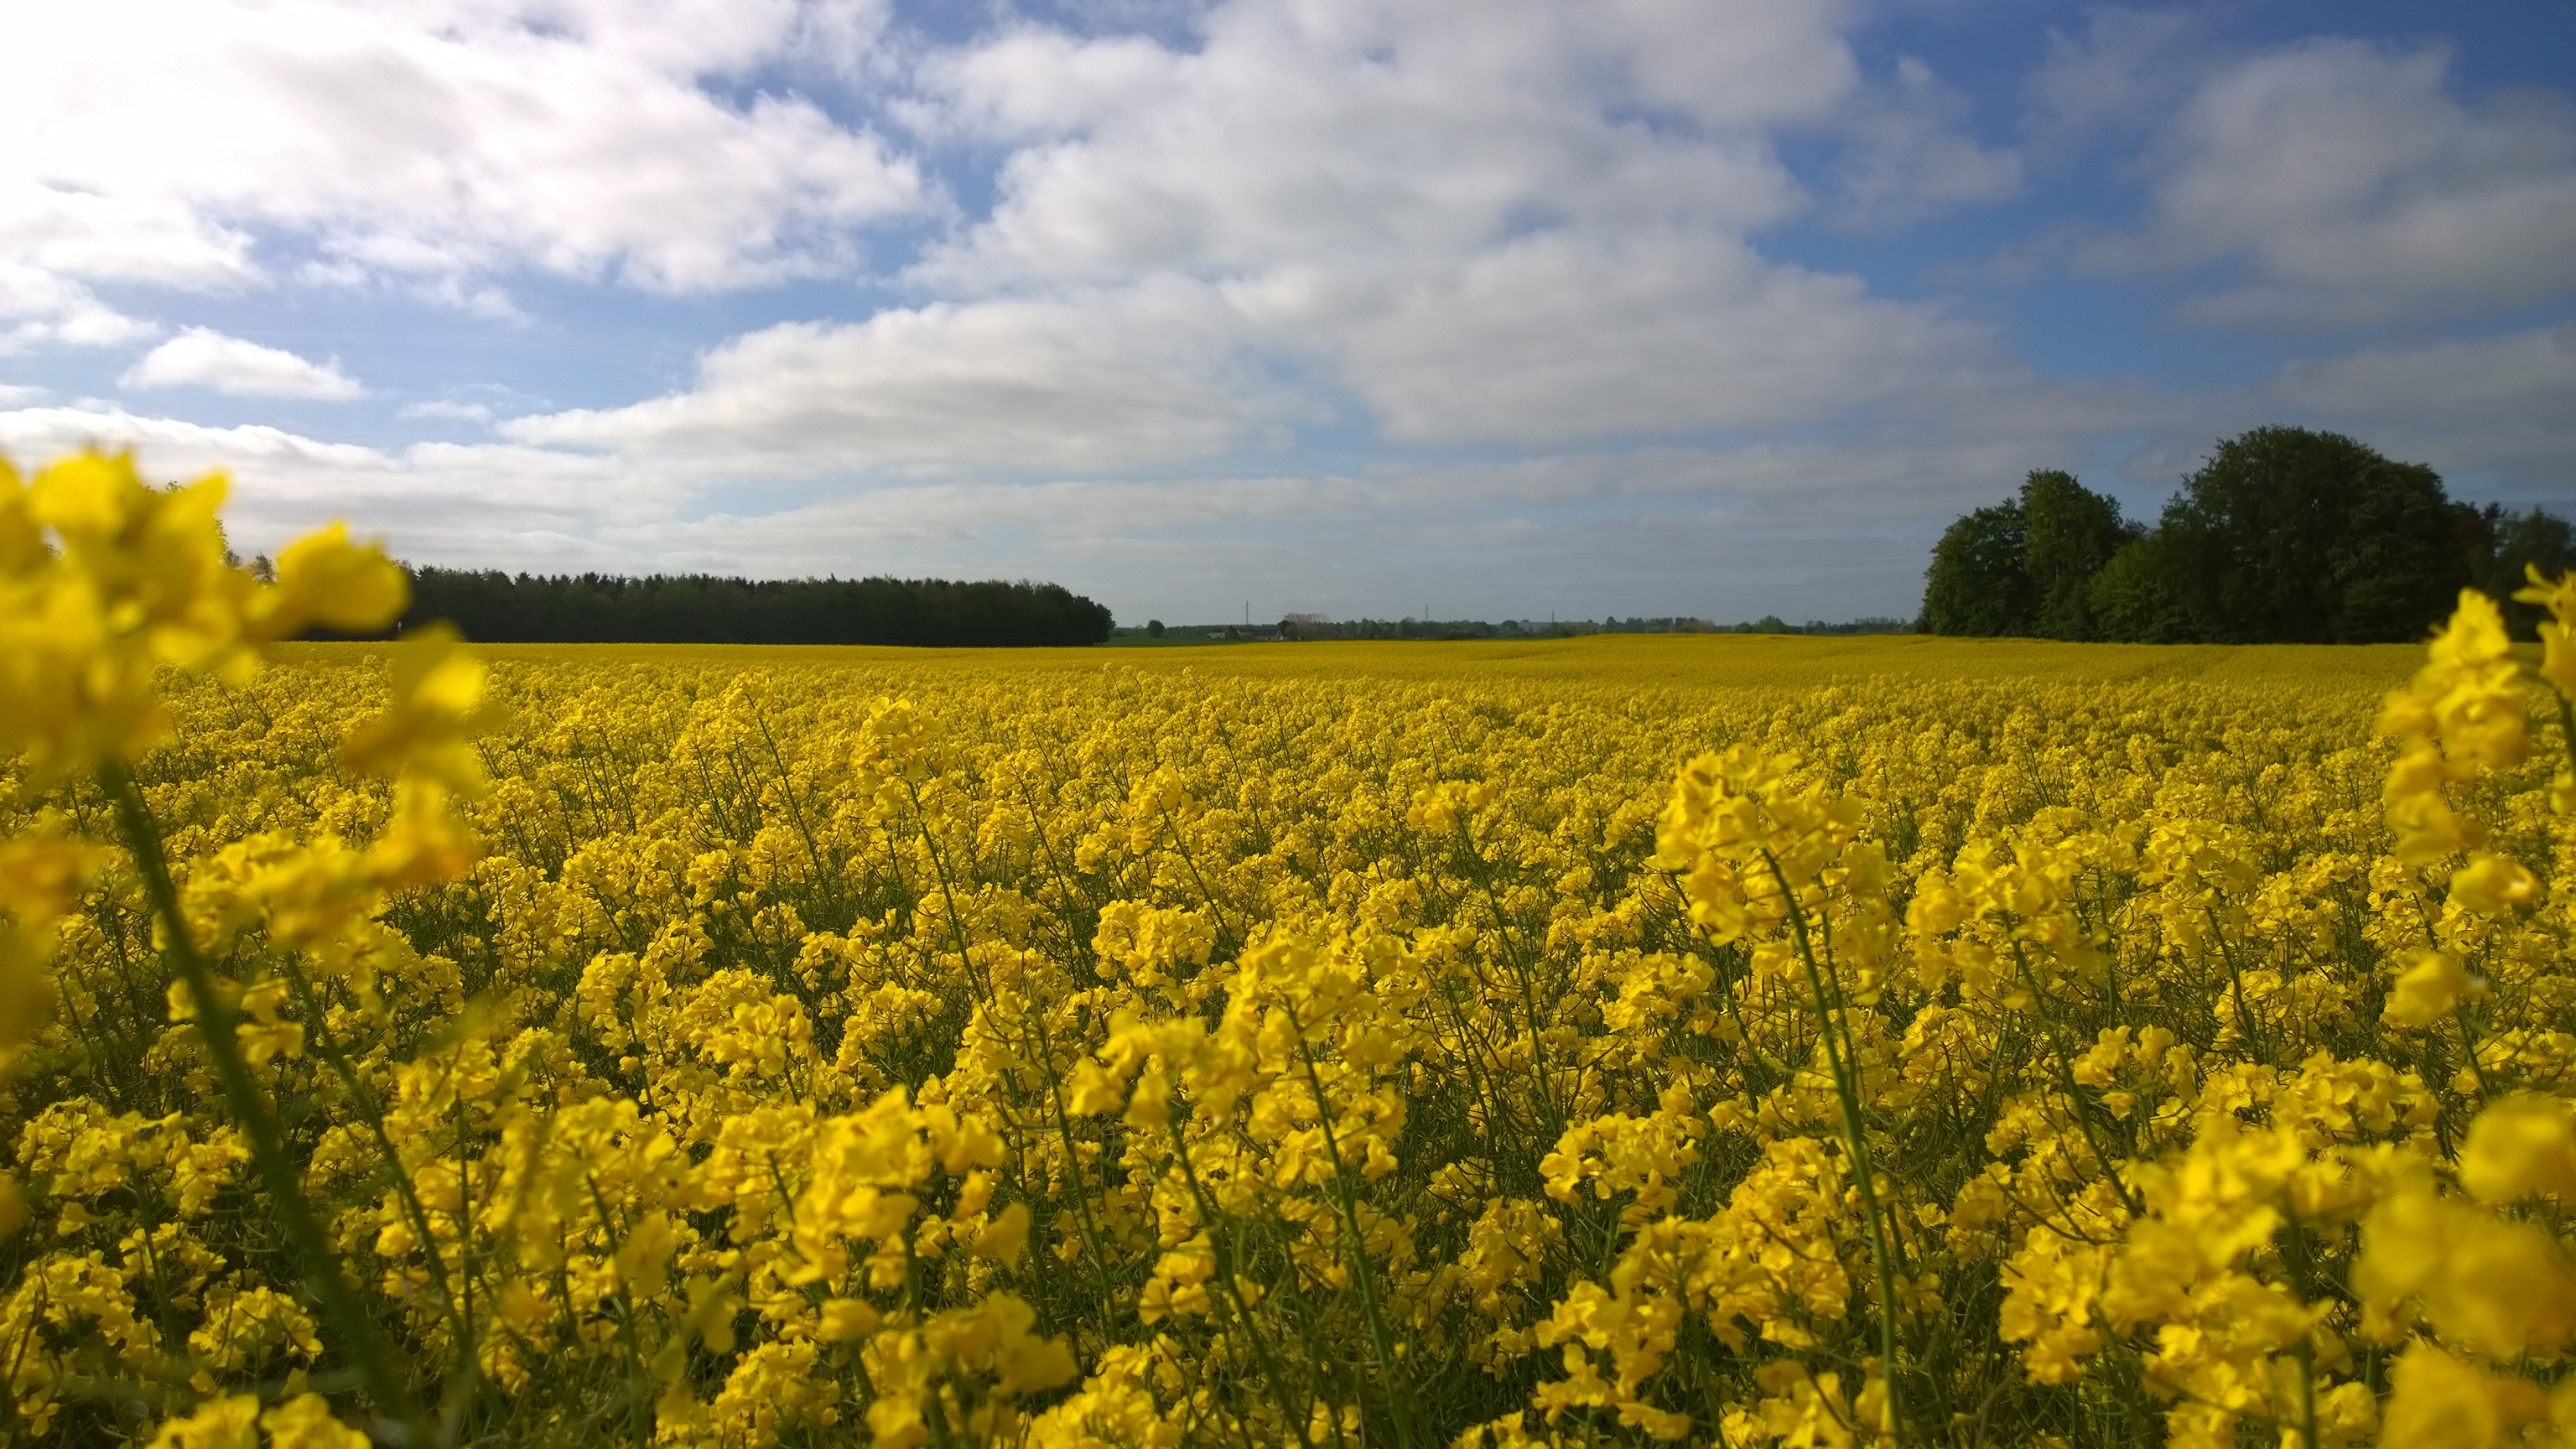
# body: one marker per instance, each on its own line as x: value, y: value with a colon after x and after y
x: 499, y: 608
x: 2283, y: 536
x: 1305, y: 628
x: 1311, y: 626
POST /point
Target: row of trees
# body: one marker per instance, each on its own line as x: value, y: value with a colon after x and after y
x: 1315, y: 626
x: 499, y: 608
x: 2283, y: 536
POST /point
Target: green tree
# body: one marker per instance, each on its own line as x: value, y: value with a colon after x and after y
x: 2283, y: 535
x: 1979, y: 582
x: 2289, y: 535
x: 2026, y: 565
x: 2069, y: 533
x: 2136, y: 597
x: 2496, y: 545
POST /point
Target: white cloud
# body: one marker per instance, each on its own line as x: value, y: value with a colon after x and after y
x: 1523, y: 229
x: 1468, y: 229
x: 1368, y: 135
x: 1826, y: 526
x: 2352, y: 187
x: 1809, y: 530
x: 2126, y: 69
x: 1114, y: 380
x: 1725, y: 63
x: 446, y: 411
x: 201, y: 358
x: 443, y: 501
x: 1908, y: 157
x: 2497, y: 405
x: 60, y: 225
x: 40, y: 309
x: 1818, y: 528
x: 165, y: 140
x: 1557, y: 338
x: 1482, y: 292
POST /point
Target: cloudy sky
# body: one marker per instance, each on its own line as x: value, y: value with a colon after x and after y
x: 1491, y: 308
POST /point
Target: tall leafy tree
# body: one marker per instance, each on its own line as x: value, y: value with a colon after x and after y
x: 2287, y: 535
x: 2283, y: 535
x: 2137, y: 599
x: 2498, y: 544
x: 2024, y: 565
x: 1979, y: 582
x: 2070, y: 532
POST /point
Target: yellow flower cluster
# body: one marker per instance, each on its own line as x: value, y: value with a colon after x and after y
x: 1833, y: 1042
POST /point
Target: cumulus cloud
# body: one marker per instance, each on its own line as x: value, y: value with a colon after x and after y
x: 1819, y: 526
x: 1812, y: 529
x: 1287, y: 300
x: 447, y: 411
x: 1559, y: 338
x: 433, y: 501
x: 1360, y: 135
x: 1826, y: 528
x: 57, y: 227
x: 1136, y: 378
x: 2496, y: 405
x: 2347, y: 185
x: 40, y: 309
x: 2124, y: 69
x: 1466, y: 231
x: 198, y: 357
x: 435, y: 140
x: 1908, y: 157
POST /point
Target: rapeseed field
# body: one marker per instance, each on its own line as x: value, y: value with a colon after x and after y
x: 1704, y: 1040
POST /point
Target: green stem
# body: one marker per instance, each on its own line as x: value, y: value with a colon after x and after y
x: 2567, y: 728
x: 2469, y: 1048
x: 370, y: 1111
x: 1012, y: 1090
x: 2066, y: 1081
x: 1847, y: 1092
x: 1209, y: 1223
x: 828, y: 881
x: 1228, y: 942
x: 217, y: 1025
x: 1379, y: 1338
x: 638, y: 1378
x: 2307, y: 1394
x: 1522, y: 974
x: 1073, y: 1168
x: 2236, y: 977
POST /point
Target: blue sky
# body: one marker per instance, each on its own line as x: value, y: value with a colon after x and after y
x: 1498, y: 309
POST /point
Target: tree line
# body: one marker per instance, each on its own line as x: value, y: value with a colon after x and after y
x: 1309, y: 627
x: 498, y: 608
x: 2284, y: 535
